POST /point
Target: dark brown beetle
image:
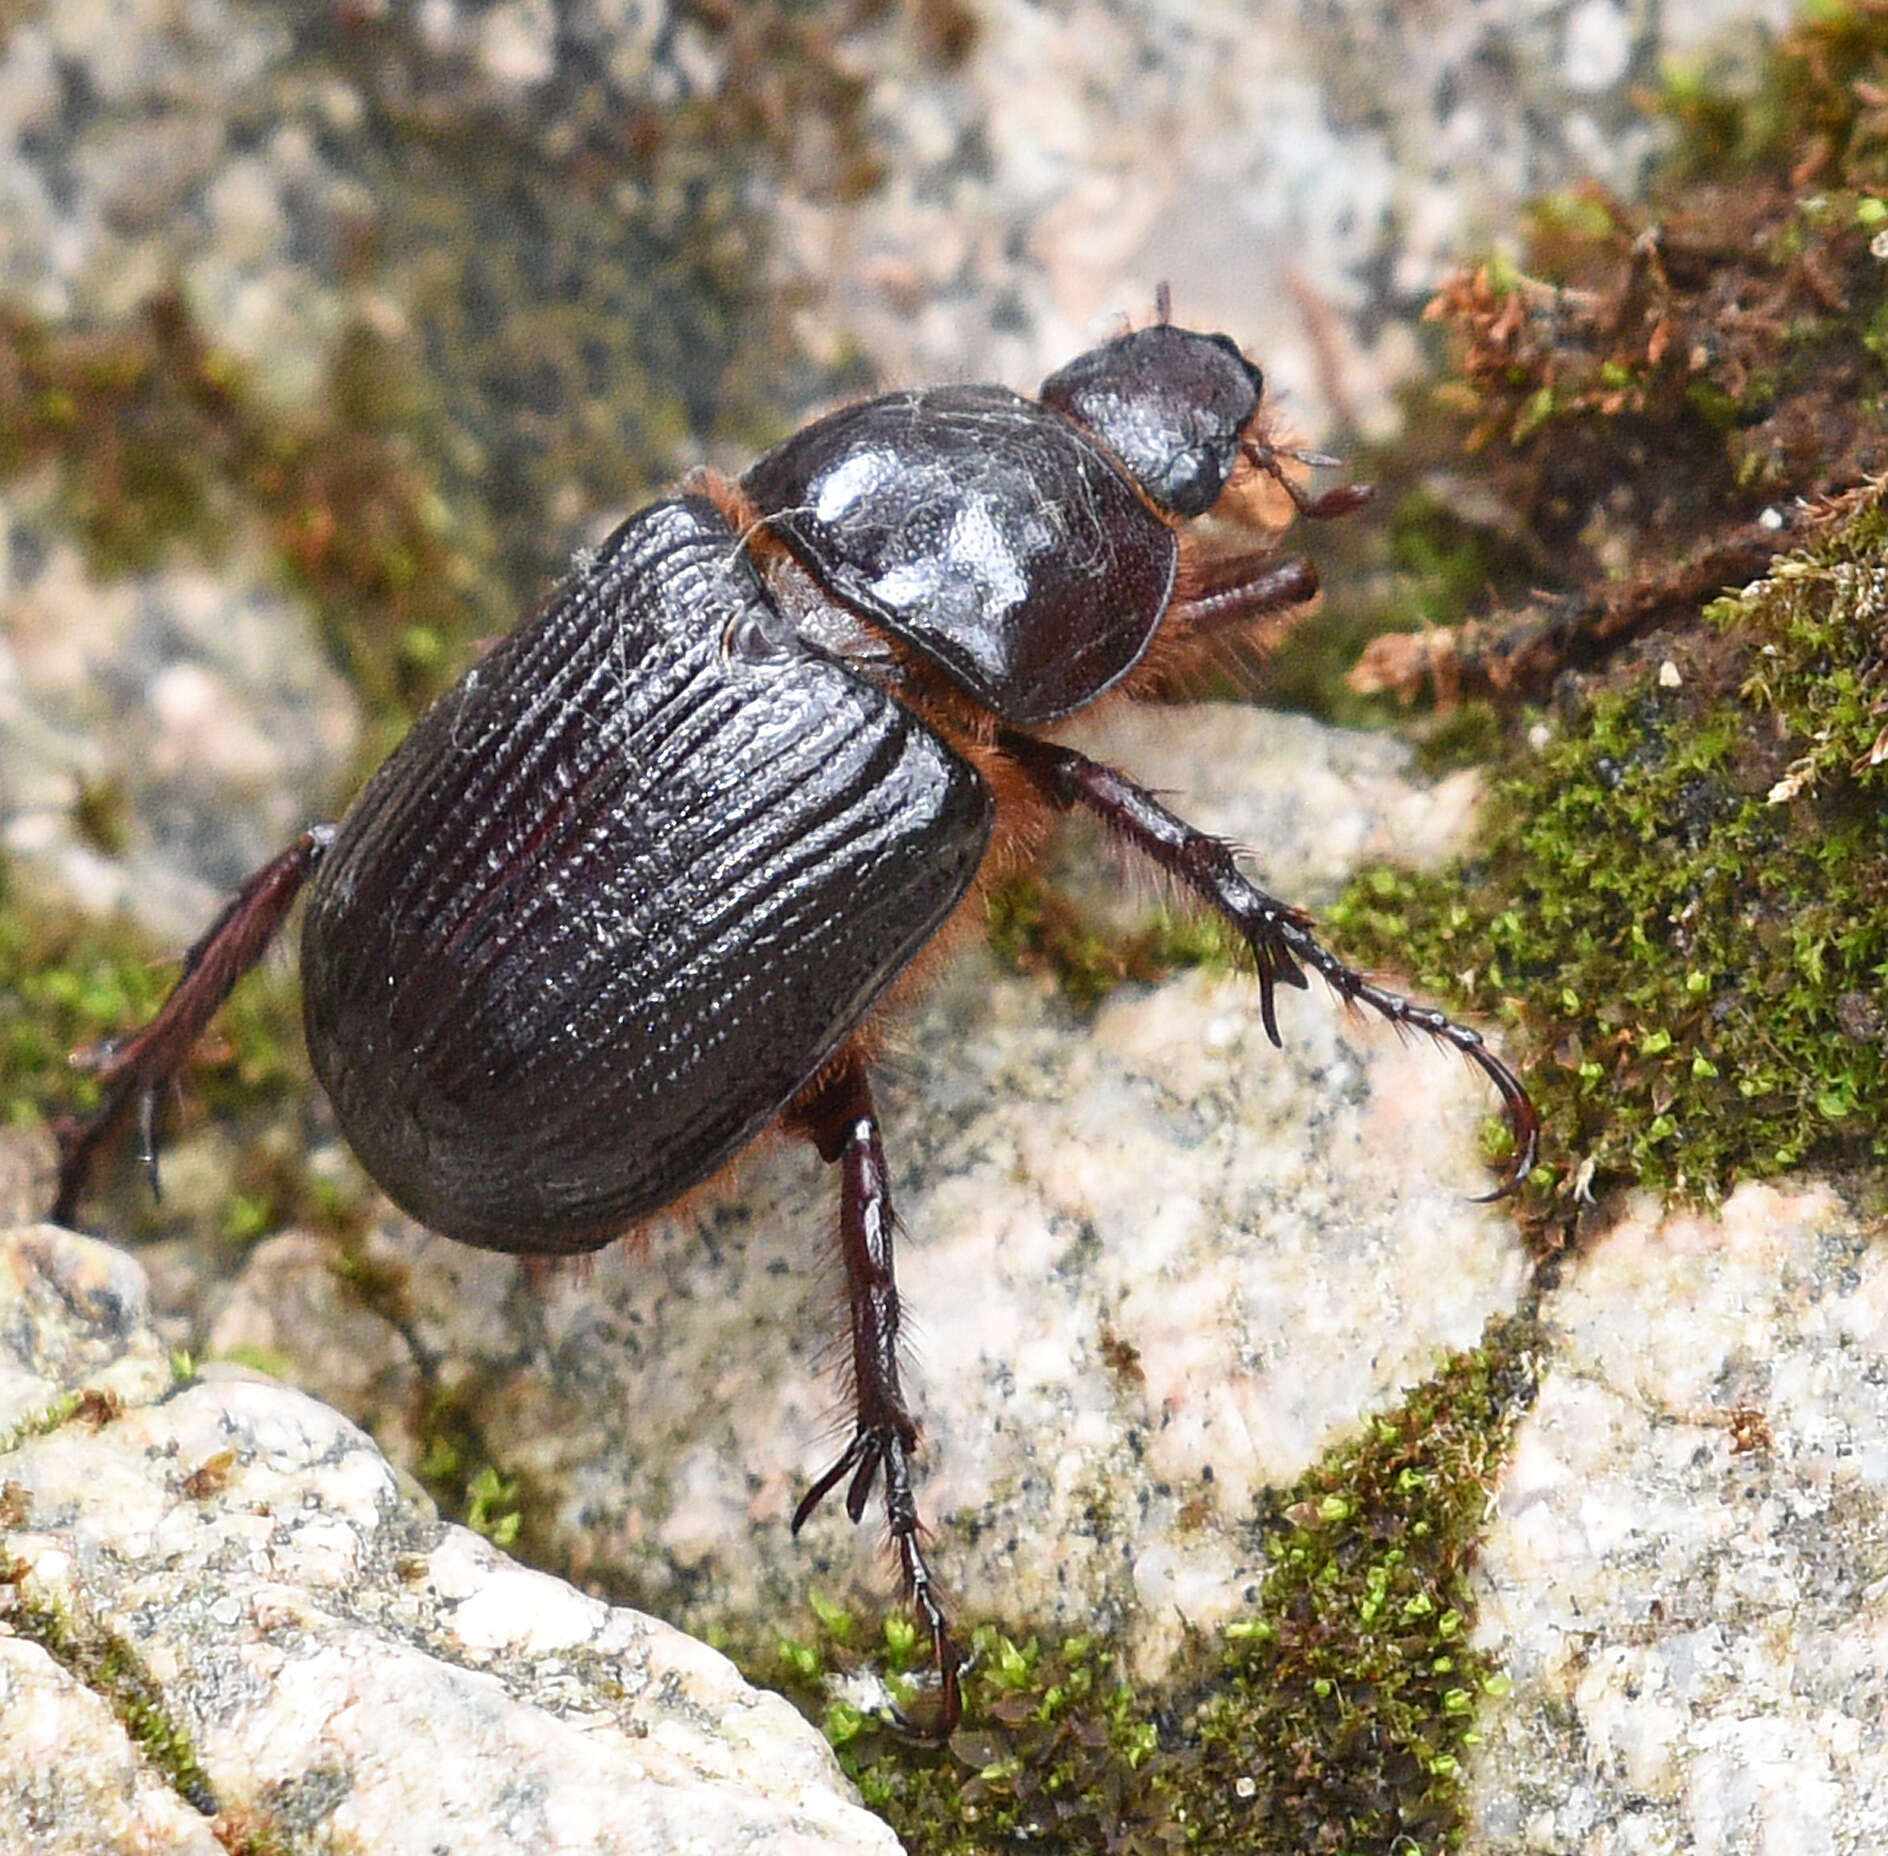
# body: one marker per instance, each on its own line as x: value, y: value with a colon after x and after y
x: 637, y: 885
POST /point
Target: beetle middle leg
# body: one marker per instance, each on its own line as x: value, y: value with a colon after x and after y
x: 838, y: 1117
x: 1278, y: 935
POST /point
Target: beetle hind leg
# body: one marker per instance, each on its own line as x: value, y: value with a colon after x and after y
x: 1279, y: 936
x: 135, y: 1071
x: 838, y: 1116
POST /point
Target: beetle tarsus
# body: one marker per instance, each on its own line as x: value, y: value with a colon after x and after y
x: 136, y: 1070
x: 1279, y: 936
x: 839, y: 1118
x: 1524, y: 1121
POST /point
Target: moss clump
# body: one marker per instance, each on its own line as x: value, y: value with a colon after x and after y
x: 64, y: 983
x: 456, y: 1469
x: 157, y: 438
x: 1351, y: 1696
x: 42, y: 1423
x: 1679, y: 898
x: 1649, y: 387
x: 1817, y: 108
x: 1333, y: 1718
x: 1722, y: 338
x: 67, y: 983
x: 1685, y: 899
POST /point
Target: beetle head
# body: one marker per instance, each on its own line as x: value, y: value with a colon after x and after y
x: 1170, y: 404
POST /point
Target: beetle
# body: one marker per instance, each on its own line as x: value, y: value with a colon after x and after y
x: 642, y: 882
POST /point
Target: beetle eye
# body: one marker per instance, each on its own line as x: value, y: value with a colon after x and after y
x: 1191, y: 484
x: 757, y: 635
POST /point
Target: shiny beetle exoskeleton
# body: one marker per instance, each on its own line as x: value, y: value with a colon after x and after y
x: 635, y: 887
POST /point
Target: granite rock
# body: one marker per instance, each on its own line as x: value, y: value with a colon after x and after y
x: 1303, y: 176
x: 1142, y: 1248
x: 226, y: 1618
x: 1686, y: 1578
x: 199, y: 702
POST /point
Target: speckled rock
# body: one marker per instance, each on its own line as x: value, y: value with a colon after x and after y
x: 1685, y: 1578
x: 72, y: 1783
x: 1301, y: 175
x: 1141, y: 1249
x: 1152, y: 1266
x: 1304, y: 176
x: 227, y: 1621
x: 198, y: 702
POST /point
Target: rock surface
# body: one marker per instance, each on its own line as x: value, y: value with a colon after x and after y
x: 1142, y: 1248
x: 227, y: 1621
x: 1304, y: 175
x: 201, y: 699
x: 1687, y: 1575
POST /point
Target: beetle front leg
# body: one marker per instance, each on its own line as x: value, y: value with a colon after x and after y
x: 1279, y: 936
x: 839, y: 1119
x: 1234, y: 591
x: 135, y: 1069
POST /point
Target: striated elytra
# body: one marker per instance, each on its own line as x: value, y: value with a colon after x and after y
x: 619, y: 895
x: 640, y: 883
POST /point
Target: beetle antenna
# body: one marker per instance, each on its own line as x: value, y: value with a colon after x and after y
x: 1335, y: 502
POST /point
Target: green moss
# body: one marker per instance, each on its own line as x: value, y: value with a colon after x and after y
x: 1684, y: 900
x: 42, y: 1423
x: 457, y: 1472
x: 1818, y: 100
x: 112, y: 1669
x: 1469, y: 734
x: 102, y: 814
x: 455, y: 1465
x: 1333, y: 1717
x: 65, y: 982
x: 491, y: 1507
x: 1676, y: 901
x: 1352, y: 1694
x: 1647, y: 379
